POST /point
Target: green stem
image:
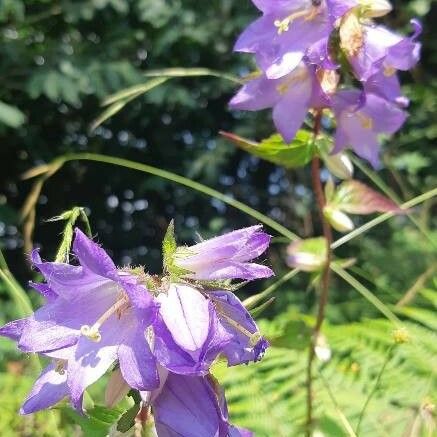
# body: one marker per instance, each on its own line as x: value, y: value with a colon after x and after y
x: 347, y: 426
x: 182, y: 181
x: 383, y: 217
x: 366, y: 293
x: 375, y: 387
x: 252, y: 301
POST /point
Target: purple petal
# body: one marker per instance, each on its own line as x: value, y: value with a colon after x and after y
x: 92, y: 256
x: 48, y: 389
x: 137, y: 363
x: 185, y: 312
x: 259, y: 93
x: 44, y: 290
x: 257, y: 35
x: 57, y: 324
x: 239, y: 350
x: 91, y: 360
x: 225, y: 257
x: 145, y: 306
x: 186, y: 406
x: 14, y: 329
x: 66, y: 280
x: 291, y: 111
x: 406, y: 54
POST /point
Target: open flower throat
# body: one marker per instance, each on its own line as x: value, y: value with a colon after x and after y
x: 307, y: 14
x: 120, y: 306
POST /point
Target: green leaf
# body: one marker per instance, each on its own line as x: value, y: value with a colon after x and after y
x: 11, y: 116
x: 273, y: 149
x: 97, y: 422
x: 127, y: 420
x: 169, y: 247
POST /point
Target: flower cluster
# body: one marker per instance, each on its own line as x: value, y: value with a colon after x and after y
x: 312, y: 52
x: 157, y: 335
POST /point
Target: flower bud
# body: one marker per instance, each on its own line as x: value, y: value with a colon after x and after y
x: 307, y: 255
x: 338, y: 220
x: 375, y: 8
x: 339, y: 165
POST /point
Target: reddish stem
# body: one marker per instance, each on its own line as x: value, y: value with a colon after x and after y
x: 327, y: 232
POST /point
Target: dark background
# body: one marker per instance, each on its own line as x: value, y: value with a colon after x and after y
x: 59, y: 59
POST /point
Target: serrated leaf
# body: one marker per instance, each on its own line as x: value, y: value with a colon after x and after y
x: 354, y: 197
x: 273, y: 149
x: 11, y: 116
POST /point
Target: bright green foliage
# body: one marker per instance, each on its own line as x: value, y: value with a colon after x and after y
x: 273, y: 149
x: 269, y: 397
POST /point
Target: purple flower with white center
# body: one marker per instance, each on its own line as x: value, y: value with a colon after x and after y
x: 95, y: 315
x: 290, y: 96
x: 195, y: 326
x: 284, y: 35
x: 360, y: 119
x: 226, y: 256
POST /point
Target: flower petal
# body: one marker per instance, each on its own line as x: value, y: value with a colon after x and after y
x: 137, y: 363
x: 185, y: 313
x: 48, y: 389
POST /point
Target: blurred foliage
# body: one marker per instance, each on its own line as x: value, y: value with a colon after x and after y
x: 62, y: 58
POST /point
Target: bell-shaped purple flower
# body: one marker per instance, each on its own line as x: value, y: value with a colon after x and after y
x: 284, y: 35
x: 195, y: 326
x: 360, y: 119
x: 386, y: 51
x: 226, y: 257
x: 290, y: 97
x: 192, y: 406
x: 94, y: 315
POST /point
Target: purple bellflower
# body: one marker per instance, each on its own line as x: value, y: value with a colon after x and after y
x: 192, y: 406
x: 360, y: 119
x: 95, y: 315
x: 290, y: 97
x: 183, y: 406
x: 226, y: 256
x: 195, y: 326
x: 384, y: 50
x: 285, y: 34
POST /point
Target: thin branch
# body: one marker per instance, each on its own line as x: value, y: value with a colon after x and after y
x: 327, y: 232
x: 375, y: 387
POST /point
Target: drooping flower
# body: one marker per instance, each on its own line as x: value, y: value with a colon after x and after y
x: 192, y: 407
x: 195, y: 326
x: 382, y: 50
x: 285, y: 34
x: 360, y: 119
x: 226, y: 257
x: 95, y: 315
x: 290, y: 97
x: 183, y: 406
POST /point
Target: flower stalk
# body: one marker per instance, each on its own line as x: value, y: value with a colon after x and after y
x: 325, y: 277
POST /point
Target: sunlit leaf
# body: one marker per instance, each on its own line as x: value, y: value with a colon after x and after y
x: 273, y: 149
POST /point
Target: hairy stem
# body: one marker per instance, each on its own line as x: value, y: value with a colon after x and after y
x: 324, y: 290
